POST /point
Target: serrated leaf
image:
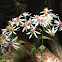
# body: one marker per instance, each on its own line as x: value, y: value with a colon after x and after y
x: 45, y: 37
x: 42, y: 47
x: 33, y: 49
x: 20, y: 41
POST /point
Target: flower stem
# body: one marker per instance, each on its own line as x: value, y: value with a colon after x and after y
x: 42, y: 38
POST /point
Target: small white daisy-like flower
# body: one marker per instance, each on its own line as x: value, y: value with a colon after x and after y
x: 3, y: 42
x: 25, y: 26
x: 11, y: 30
x: 17, y: 20
x: 26, y: 14
x: 3, y: 31
x: 11, y: 23
x: 46, y: 10
x: 59, y: 24
x: 48, y: 22
x: 33, y: 32
x: 51, y: 32
x: 12, y: 43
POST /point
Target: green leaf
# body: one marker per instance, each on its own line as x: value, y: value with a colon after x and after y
x: 42, y: 47
x: 41, y: 60
x: 39, y: 36
x: 20, y: 41
x: 47, y: 26
x: 45, y: 37
x: 1, y: 53
x: 20, y: 23
x: 1, y: 57
x: 33, y: 49
x: 40, y: 30
x: 4, y: 60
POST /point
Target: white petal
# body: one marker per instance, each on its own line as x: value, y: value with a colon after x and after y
x: 20, y: 16
x: 37, y: 32
x: 14, y: 19
x: 3, y: 50
x: 17, y: 28
x: 17, y: 23
x: 36, y: 24
x: 22, y: 20
x: 15, y: 39
x: 35, y: 35
x: 24, y: 29
x: 9, y: 48
x: 5, y: 44
x: 16, y: 47
x: 28, y: 33
x: 30, y: 36
x: 60, y: 28
x: 16, y: 43
x: 14, y: 32
x: 28, y: 27
x: 9, y: 34
x: 55, y: 31
x: 49, y: 30
x: 42, y: 12
x: 56, y: 21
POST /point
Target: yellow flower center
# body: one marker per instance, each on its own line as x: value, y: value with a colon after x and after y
x: 1, y: 40
x: 45, y: 9
x: 12, y: 29
x: 52, y: 34
x: 48, y: 21
x: 8, y: 27
x: 0, y: 37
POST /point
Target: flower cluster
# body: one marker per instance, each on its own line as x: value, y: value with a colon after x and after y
x: 47, y: 22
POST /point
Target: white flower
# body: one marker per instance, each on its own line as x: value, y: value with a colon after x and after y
x: 48, y: 22
x: 39, y: 20
x: 17, y: 20
x: 26, y: 14
x: 3, y: 42
x: 3, y: 31
x: 29, y: 21
x: 33, y: 32
x: 11, y: 30
x: 46, y: 10
x: 51, y: 32
x: 11, y: 23
x: 12, y: 43
x: 59, y: 24
x: 25, y: 25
